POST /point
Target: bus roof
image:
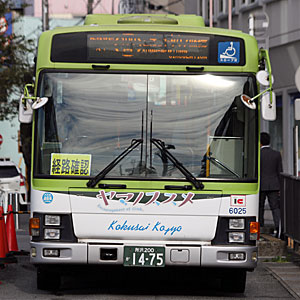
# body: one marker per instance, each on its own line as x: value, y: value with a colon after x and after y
x: 146, y: 23
x: 190, y: 23
x: 181, y: 20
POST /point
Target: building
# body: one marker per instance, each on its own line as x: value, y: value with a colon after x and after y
x: 277, y: 28
x: 68, y: 9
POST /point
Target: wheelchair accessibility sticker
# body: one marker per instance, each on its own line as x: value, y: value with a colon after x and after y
x: 229, y: 52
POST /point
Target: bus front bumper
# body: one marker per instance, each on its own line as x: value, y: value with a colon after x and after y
x: 237, y: 256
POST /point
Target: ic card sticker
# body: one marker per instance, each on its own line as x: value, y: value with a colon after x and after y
x: 238, y: 200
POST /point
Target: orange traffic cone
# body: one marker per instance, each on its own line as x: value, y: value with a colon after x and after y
x: 5, y: 256
x: 11, y: 231
x: 3, y: 240
x: 2, y: 224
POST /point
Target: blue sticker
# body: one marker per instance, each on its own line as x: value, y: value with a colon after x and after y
x: 47, y: 198
x: 229, y: 52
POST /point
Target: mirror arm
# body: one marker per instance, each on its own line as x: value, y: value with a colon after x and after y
x: 264, y: 55
x: 26, y: 92
x: 269, y: 89
x: 24, y: 103
x: 37, y: 102
x: 26, y: 95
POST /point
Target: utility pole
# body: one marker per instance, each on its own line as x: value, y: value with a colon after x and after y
x: 211, y: 13
x: 90, y: 6
x: 112, y: 7
x: 45, y: 15
x: 251, y: 24
x: 229, y: 14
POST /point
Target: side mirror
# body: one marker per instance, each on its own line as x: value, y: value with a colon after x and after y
x: 249, y: 102
x: 29, y: 103
x: 25, y: 111
x: 268, y: 108
x: 265, y: 78
x: 297, y: 109
x: 39, y: 102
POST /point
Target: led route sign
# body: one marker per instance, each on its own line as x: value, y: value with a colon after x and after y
x: 148, y: 46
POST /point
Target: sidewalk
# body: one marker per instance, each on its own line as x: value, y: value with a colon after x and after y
x: 288, y: 274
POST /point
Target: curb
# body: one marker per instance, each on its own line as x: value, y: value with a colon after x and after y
x: 282, y: 281
x: 270, y: 247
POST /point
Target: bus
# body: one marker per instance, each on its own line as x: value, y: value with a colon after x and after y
x: 145, y: 146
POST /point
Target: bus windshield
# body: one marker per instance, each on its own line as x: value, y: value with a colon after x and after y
x: 91, y: 118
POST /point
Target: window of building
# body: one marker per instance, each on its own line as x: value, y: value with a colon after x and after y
x: 245, y: 2
x: 248, y: 4
x: 295, y: 96
x: 275, y: 127
x: 221, y: 6
x: 200, y: 7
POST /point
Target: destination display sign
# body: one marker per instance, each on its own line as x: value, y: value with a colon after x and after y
x: 147, y: 47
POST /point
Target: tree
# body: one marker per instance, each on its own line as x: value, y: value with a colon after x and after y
x: 15, y: 68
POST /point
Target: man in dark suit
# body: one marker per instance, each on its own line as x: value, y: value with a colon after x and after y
x: 270, y: 169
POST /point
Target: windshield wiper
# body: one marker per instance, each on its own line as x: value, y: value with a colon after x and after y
x: 134, y: 143
x: 220, y: 164
x: 188, y: 175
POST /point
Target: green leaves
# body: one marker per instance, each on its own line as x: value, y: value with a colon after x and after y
x: 15, y: 68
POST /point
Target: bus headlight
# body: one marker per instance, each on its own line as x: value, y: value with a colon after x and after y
x: 52, y: 220
x: 236, y: 224
x: 236, y: 237
x: 51, y: 234
x: 54, y: 226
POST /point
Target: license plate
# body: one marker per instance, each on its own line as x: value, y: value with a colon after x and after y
x: 136, y: 256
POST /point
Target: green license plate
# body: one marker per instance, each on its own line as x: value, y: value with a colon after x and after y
x: 136, y: 256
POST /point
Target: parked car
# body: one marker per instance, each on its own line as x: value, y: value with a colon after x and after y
x: 12, y: 180
x: 23, y: 191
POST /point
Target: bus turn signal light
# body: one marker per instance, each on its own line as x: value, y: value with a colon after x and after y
x: 254, y: 231
x: 34, y: 226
